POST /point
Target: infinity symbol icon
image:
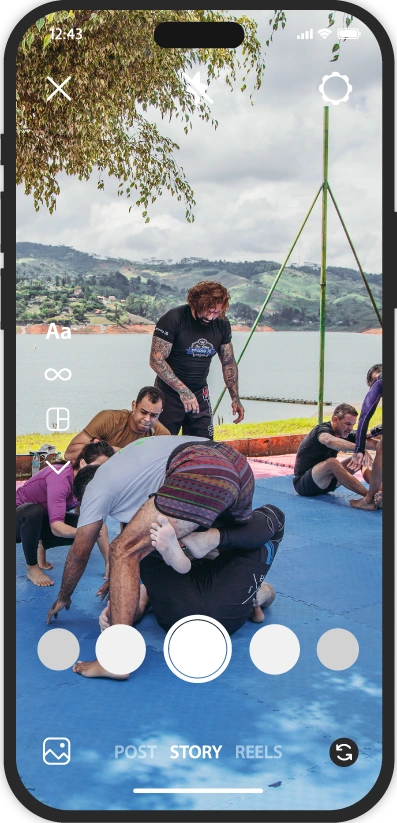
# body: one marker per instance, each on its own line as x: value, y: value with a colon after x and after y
x: 57, y: 374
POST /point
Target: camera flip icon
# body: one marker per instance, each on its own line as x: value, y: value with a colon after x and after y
x: 56, y: 751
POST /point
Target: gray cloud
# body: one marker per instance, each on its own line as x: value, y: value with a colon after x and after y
x: 256, y: 175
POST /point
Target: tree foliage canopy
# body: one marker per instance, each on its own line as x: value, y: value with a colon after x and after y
x: 118, y: 72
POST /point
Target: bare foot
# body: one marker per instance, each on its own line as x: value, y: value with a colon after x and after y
x: 378, y: 500
x: 94, y: 669
x: 264, y: 598
x: 164, y: 539
x: 257, y: 615
x: 201, y: 543
x: 36, y: 576
x: 41, y: 557
x: 363, y: 503
x: 143, y: 606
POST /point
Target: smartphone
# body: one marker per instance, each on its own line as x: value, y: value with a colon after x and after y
x: 193, y: 183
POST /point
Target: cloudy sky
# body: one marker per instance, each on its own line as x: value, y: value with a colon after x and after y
x: 256, y: 175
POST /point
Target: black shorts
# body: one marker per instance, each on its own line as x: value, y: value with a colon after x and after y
x: 222, y: 588
x: 306, y: 486
x: 173, y: 416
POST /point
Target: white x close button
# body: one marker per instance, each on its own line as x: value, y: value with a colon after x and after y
x: 58, y: 88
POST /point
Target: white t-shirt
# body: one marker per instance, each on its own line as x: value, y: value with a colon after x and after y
x: 122, y: 484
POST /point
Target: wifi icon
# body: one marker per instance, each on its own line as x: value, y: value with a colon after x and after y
x: 324, y: 33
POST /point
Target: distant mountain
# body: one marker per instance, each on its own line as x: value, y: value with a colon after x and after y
x: 60, y: 283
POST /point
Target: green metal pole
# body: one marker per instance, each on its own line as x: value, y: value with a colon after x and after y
x: 367, y: 286
x: 274, y: 284
x: 323, y: 278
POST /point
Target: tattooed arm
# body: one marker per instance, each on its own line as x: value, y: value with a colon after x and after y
x: 75, y: 564
x: 159, y: 352
x: 230, y: 376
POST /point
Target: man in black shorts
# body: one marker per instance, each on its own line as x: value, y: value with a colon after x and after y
x: 229, y: 588
x: 317, y: 469
x: 184, y: 342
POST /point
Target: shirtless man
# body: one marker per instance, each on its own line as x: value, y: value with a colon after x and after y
x: 196, y: 482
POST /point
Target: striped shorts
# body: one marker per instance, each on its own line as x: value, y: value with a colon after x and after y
x: 204, y: 480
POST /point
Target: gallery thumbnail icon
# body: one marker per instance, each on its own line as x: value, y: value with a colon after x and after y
x: 56, y: 751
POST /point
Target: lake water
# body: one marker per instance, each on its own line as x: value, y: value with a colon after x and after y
x: 108, y: 371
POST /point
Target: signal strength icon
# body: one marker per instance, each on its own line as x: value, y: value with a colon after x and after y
x: 324, y: 33
x: 305, y: 35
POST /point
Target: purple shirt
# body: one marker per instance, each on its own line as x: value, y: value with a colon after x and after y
x: 53, y: 492
x: 370, y: 403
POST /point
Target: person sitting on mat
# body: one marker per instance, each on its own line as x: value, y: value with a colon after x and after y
x: 230, y: 588
x: 43, y: 518
x: 317, y: 469
x: 373, y: 497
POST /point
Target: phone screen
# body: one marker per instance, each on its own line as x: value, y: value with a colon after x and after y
x: 202, y: 224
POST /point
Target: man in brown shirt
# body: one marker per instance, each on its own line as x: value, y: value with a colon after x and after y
x: 120, y: 427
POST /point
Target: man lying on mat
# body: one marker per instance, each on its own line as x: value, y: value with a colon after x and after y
x: 230, y: 588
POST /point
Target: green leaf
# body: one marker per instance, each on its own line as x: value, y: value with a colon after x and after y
x: 40, y: 23
x: 334, y: 58
x: 50, y: 17
x: 29, y: 38
x: 335, y: 47
x: 46, y: 40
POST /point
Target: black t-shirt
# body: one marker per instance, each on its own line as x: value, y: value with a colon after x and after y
x: 194, y: 343
x: 311, y: 451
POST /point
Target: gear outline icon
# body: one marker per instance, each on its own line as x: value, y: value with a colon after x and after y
x: 349, y: 88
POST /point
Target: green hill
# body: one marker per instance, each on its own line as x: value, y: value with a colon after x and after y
x: 60, y: 283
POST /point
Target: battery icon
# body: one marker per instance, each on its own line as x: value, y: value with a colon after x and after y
x: 349, y: 34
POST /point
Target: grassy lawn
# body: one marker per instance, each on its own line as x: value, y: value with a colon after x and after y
x: 100, y: 319
x: 274, y: 428
x: 295, y: 425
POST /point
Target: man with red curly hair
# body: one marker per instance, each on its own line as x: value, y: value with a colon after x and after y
x: 184, y: 341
